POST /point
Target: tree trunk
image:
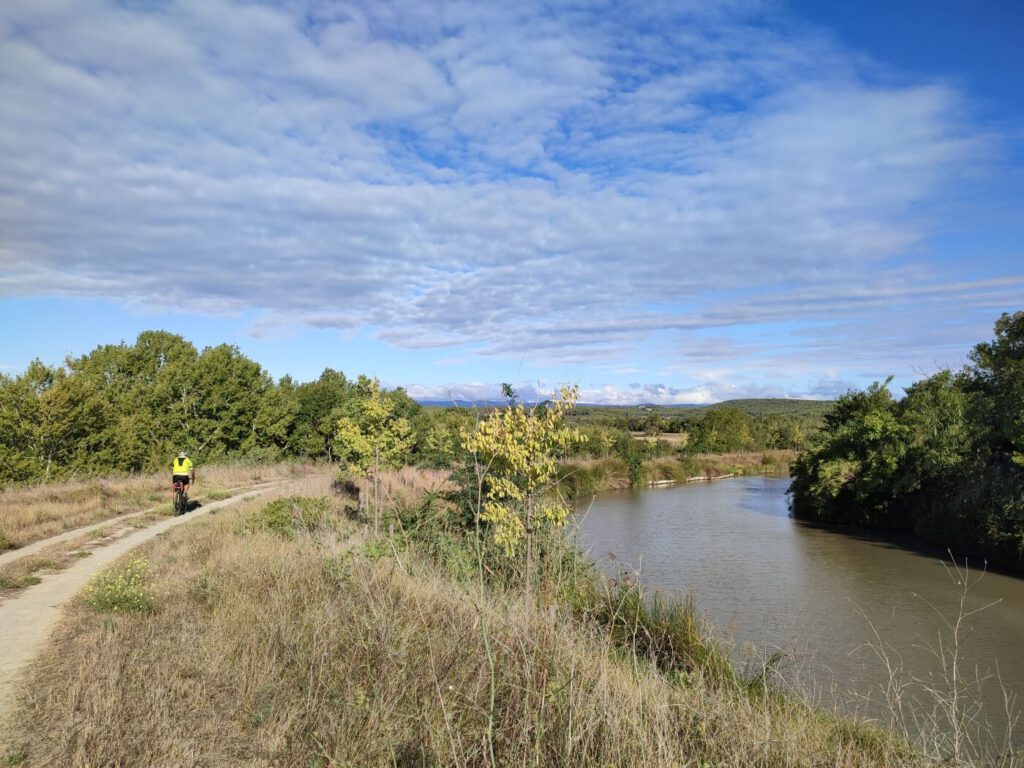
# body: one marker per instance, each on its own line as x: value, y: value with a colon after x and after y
x: 376, y: 491
x: 529, y: 551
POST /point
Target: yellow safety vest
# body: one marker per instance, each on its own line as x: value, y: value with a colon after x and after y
x: 182, y: 466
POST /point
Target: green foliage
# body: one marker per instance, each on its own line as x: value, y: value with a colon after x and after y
x: 374, y: 435
x: 517, y: 450
x: 771, y: 423
x: 438, y: 436
x: 289, y: 516
x: 634, y: 453
x: 15, y: 757
x: 121, y: 589
x: 724, y: 430
x: 129, y: 408
x: 944, y: 462
x: 319, y: 405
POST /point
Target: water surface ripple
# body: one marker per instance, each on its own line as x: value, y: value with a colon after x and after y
x: 768, y: 580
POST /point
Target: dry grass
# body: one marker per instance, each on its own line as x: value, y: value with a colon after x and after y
x: 581, y: 477
x: 25, y: 572
x: 675, y: 438
x: 31, y: 513
x: 745, y: 462
x: 408, y: 484
x: 316, y: 650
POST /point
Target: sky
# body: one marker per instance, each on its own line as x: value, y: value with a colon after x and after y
x: 662, y: 202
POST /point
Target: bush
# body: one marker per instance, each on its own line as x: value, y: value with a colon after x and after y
x: 121, y: 589
x: 290, y: 515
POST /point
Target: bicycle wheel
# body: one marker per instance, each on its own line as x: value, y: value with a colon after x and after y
x: 179, y: 501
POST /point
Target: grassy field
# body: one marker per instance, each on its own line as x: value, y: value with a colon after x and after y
x: 281, y: 634
x: 31, y: 513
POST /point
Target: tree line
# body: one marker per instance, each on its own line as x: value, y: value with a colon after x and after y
x: 945, y: 462
x: 129, y: 407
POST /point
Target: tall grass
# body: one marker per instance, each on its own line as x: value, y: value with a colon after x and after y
x: 320, y: 648
x: 281, y: 634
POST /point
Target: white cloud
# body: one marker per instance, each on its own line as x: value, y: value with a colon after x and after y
x: 562, y: 185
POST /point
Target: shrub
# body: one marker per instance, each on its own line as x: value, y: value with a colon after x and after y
x: 121, y: 589
x: 667, y: 633
x: 290, y: 515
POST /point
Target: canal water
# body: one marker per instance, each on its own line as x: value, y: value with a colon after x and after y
x: 769, y: 582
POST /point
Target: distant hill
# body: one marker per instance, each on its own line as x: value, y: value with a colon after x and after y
x: 778, y: 405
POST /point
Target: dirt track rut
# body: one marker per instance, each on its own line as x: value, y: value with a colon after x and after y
x: 26, y: 621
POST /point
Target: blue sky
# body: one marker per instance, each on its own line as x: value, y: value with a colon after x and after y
x: 669, y: 202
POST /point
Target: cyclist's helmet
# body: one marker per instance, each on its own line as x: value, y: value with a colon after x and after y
x: 182, y: 455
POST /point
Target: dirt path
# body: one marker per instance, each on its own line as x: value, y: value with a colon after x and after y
x: 26, y: 622
x: 38, y: 546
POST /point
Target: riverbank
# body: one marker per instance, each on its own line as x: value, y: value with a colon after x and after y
x: 287, y: 635
x: 579, y: 478
x: 858, y: 617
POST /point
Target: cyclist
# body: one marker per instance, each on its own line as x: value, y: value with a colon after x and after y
x: 183, y: 471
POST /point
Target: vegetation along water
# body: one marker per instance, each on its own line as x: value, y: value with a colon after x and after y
x: 830, y: 601
x: 944, y: 463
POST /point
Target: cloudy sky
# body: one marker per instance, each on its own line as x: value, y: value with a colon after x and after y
x: 661, y: 202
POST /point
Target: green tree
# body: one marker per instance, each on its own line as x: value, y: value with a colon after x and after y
x: 436, y: 435
x: 275, y: 417
x: 946, y: 461
x: 997, y: 383
x: 373, y: 437
x: 320, y: 404
x: 724, y: 429
x: 20, y: 422
x: 849, y: 477
x: 226, y: 395
x: 516, y: 450
x: 156, y: 404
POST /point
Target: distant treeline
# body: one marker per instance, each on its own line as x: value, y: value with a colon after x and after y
x: 733, y: 425
x: 946, y: 461
x: 130, y: 407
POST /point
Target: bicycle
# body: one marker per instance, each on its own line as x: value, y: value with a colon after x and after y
x: 180, y: 504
